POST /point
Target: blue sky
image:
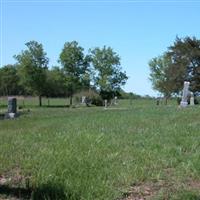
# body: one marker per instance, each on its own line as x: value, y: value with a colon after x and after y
x: 136, y: 30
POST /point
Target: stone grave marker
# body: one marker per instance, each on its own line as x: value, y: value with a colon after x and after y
x: 184, y: 102
x: 105, y: 103
x: 115, y: 102
x: 192, y: 99
x: 12, y: 108
x: 83, y: 100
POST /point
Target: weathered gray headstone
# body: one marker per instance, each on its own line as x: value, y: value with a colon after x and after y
x: 83, y: 99
x: 12, y: 105
x: 115, y: 100
x: 105, y: 103
x: 192, y: 99
x: 12, y: 108
x: 184, y: 102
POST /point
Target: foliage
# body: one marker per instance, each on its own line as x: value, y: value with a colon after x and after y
x: 108, y: 74
x: 56, y: 83
x: 9, y: 81
x: 159, y: 75
x: 180, y: 63
x: 32, y: 66
x: 75, y: 66
x: 185, y: 56
x: 128, y: 95
x: 92, y: 97
x: 100, y: 71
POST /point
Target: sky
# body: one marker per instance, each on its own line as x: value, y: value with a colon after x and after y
x: 136, y: 30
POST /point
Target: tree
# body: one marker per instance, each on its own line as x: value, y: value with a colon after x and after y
x: 159, y: 76
x: 9, y: 81
x: 32, y: 69
x: 108, y: 74
x: 75, y: 65
x: 56, y: 83
x: 180, y: 63
x: 185, y: 56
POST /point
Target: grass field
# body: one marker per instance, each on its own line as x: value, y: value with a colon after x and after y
x: 33, y: 101
x: 138, y: 149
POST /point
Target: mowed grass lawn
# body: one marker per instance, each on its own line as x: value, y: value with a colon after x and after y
x: 93, y: 153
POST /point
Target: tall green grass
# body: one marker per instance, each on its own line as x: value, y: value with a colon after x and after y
x: 96, y: 153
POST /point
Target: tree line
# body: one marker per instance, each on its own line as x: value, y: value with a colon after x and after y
x: 99, y: 70
x: 181, y: 62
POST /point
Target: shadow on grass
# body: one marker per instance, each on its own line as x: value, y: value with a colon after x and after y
x: 15, y: 192
x: 43, y: 192
x: 18, y: 114
x: 56, y: 106
x: 2, y: 116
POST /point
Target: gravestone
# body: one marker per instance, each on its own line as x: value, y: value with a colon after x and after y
x: 12, y: 105
x: 184, y: 102
x: 115, y: 100
x: 12, y: 108
x: 105, y: 103
x: 83, y: 100
x: 192, y: 99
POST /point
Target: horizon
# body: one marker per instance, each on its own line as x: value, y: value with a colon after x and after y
x: 137, y: 31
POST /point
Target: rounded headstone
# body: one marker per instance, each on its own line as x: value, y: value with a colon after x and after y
x: 12, y: 105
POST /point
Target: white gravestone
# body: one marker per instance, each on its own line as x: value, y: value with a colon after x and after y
x: 115, y: 100
x: 192, y: 99
x: 83, y: 99
x: 184, y: 102
x: 105, y: 103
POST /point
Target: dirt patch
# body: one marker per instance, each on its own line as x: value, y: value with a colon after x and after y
x: 194, y: 185
x: 149, y: 190
x: 144, y: 191
x: 13, y: 177
x: 14, y: 185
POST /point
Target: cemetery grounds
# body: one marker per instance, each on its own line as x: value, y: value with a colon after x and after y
x: 135, y: 150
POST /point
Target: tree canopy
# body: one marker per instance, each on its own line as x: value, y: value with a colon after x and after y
x: 32, y: 68
x: 181, y: 62
x: 9, y: 80
x: 108, y: 76
x: 75, y: 66
x: 99, y: 70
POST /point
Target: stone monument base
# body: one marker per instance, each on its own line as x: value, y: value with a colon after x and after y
x: 10, y: 115
x: 183, y: 104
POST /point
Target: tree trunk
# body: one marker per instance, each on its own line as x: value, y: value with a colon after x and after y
x: 40, y: 100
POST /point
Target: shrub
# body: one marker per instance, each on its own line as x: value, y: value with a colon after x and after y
x: 178, y: 100
x: 91, y: 98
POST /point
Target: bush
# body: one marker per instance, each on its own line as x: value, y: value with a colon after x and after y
x: 91, y: 98
x: 178, y: 100
x: 196, y: 101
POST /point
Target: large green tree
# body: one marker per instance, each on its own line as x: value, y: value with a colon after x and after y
x: 180, y: 63
x: 159, y: 75
x: 9, y: 81
x: 32, y: 69
x: 76, y: 67
x: 107, y: 71
x: 56, y: 83
x: 185, y: 56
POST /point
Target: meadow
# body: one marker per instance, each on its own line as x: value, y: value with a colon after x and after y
x: 132, y: 150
